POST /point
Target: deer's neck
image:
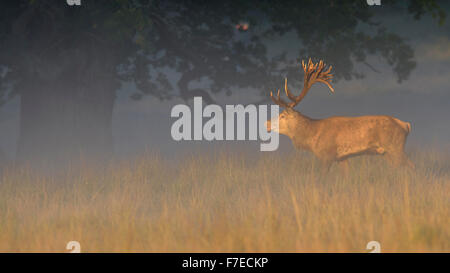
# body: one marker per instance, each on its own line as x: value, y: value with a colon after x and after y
x: 303, y: 132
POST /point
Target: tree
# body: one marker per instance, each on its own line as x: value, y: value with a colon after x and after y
x: 66, y: 63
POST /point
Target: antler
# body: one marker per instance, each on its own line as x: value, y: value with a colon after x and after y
x: 313, y: 73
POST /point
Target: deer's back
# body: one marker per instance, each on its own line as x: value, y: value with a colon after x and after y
x: 343, y: 136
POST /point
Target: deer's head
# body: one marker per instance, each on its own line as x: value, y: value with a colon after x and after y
x: 289, y: 118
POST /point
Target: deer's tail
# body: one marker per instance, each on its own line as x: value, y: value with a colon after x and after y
x: 405, y: 125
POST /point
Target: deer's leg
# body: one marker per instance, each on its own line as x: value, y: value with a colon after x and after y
x: 326, y: 165
x: 399, y: 159
x: 392, y: 159
x: 407, y: 162
x: 344, y: 167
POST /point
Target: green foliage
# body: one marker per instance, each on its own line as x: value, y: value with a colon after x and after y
x: 420, y: 7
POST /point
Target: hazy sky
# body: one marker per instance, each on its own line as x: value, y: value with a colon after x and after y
x: 423, y: 100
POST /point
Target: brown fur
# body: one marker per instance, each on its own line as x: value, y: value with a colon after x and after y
x: 339, y: 138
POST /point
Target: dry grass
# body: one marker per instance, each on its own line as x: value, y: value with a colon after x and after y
x: 229, y: 203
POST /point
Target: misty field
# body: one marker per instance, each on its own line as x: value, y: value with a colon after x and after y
x: 227, y: 202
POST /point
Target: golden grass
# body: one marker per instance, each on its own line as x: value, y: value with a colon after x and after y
x: 229, y: 203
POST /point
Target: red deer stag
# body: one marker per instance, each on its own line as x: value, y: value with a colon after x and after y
x: 336, y: 139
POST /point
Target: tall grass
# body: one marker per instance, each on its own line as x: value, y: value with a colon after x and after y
x: 227, y: 202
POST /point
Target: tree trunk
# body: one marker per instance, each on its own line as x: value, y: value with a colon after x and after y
x: 62, y: 122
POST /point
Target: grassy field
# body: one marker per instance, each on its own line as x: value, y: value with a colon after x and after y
x: 223, y: 202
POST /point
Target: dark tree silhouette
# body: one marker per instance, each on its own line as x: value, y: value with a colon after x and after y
x: 66, y: 63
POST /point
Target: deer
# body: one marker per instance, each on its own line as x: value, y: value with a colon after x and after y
x: 338, y: 138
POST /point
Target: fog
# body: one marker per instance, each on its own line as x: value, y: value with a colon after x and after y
x: 423, y: 100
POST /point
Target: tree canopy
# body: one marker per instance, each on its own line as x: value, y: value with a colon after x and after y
x: 198, y: 39
x: 67, y: 62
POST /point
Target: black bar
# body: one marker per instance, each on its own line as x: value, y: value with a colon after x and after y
x: 228, y: 262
